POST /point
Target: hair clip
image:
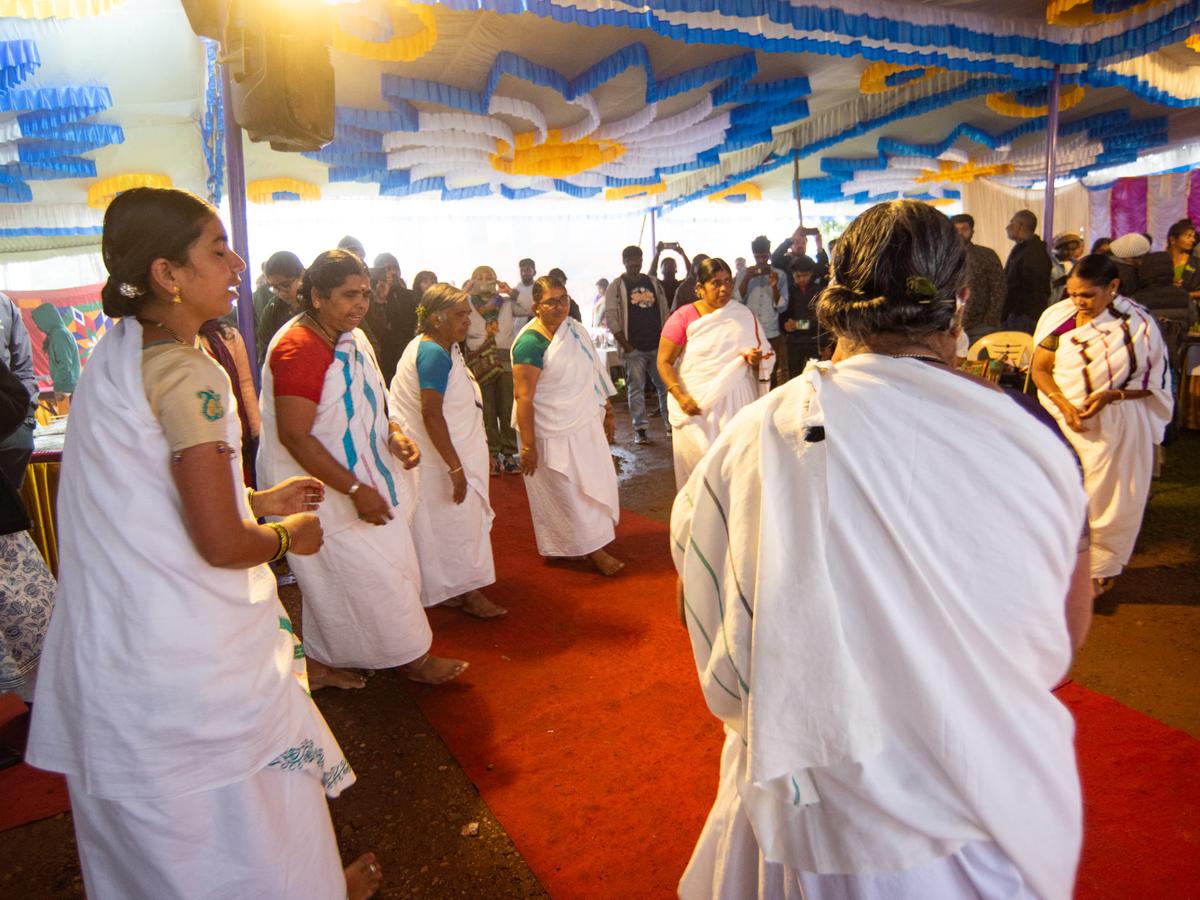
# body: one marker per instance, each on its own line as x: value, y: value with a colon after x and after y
x: 125, y: 289
x: 920, y: 286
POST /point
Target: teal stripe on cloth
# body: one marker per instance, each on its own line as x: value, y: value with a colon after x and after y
x: 721, y: 606
x: 729, y: 548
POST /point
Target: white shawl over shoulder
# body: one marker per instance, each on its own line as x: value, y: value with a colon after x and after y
x: 885, y: 653
x: 162, y: 674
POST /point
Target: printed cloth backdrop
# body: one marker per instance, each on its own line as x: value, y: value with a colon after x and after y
x: 1147, y: 204
x: 80, y: 309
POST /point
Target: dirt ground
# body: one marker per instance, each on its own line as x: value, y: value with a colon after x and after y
x: 412, y: 799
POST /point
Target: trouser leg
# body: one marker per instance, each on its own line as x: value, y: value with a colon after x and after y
x: 635, y: 387
x: 491, y: 415
x: 504, y: 404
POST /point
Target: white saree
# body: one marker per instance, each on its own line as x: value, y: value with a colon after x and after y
x: 1120, y: 350
x: 362, y: 591
x: 453, y: 540
x: 882, y: 663
x: 166, y: 681
x: 573, y: 494
x: 712, y: 370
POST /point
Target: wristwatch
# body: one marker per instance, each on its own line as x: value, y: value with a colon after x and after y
x: 353, y: 488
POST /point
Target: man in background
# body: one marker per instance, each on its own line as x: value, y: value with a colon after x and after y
x: 636, y: 309
x: 284, y: 271
x: 985, y: 304
x: 1026, y: 274
x: 16, y: 352
x: 764, y: 290
x: 522, y: 295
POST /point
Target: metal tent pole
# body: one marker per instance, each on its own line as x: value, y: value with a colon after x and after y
x: 236, y: 165
x: 1051, y: 160
x: 796, y: 185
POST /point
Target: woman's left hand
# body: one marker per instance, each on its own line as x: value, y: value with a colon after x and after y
x: 404, y: 449
x: 299, y: 494
x: 753, y: 357
x: 1096, y: 402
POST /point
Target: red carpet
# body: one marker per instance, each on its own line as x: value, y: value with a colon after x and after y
x: 1141, y: 802
x: 582, y: 723
x: 26, y: 794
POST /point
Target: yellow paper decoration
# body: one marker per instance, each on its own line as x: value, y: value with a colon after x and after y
x: 56, y: 9
x: 1008, y: 105
x: 402, y: 47
x: 103, y: 191
x: 1070, y: 13
x: 1193, y: 42
x: 555, y: 158
x: 874, y: 77
x: 634, y: 190
x: 263, y: 190
x: 751, y: 190
x: 962, y: 174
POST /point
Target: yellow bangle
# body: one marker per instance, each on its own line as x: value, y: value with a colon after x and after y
x: 285, y: 541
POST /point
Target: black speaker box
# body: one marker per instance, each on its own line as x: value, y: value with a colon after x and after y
x: 281, y: 78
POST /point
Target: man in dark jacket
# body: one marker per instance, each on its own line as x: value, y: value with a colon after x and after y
x: 985, y: 303
x: 1026, y: 274
x: 801, y: 333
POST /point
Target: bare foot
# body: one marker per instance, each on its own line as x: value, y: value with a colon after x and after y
x: 435, y: 669
x: 605, y: 563
x: 322, y: 676
x: 477, y: 605
x: 363, y: 877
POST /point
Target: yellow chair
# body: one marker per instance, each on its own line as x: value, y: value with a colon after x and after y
x: 1012, y: 347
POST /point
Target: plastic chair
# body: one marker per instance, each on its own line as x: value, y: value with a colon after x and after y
x: 1012, y: 347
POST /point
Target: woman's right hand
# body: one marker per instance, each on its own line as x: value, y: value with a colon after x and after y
x: 458, y: 480
x: 1070, y: 414
x: 687, y: 404
x: 529, y: 460
x: 305, y: 532
x: 371, y: 506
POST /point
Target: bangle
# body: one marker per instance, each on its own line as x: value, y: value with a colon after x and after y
x: 353, y: 489
x: 455, y: 469
x: 250, y: 492
x: 526, y: 449
x: 285, y: 541
x: 1120, y: 395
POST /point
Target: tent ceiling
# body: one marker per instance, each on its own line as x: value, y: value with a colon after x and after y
x: 737, y: 117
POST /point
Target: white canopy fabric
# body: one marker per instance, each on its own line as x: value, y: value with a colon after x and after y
x: 596, y: 107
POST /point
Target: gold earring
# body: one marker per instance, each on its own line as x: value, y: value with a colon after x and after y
x: 175, y: 296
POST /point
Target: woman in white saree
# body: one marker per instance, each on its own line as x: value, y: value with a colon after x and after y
x: 171, y: 691
x: 437, y: 403
x: 709, y: 358
x: 882, y: 665
x: 565, y: 423
x: 1101, y: 369
x: 324, y: 410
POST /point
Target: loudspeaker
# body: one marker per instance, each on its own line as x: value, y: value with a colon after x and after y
x: 280, y: 75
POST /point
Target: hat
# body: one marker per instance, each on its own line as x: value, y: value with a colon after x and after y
x: 1066, y: 237
x: 1129, y: 246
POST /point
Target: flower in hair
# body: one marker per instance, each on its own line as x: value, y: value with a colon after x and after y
x: 420, y: 314
x: 921, y: 288
x: 125, y: 289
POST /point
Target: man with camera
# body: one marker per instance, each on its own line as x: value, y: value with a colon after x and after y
x: 764, y: 289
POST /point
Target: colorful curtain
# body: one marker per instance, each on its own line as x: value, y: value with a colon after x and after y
x: 80, y: 309
x: 1149, y: 204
